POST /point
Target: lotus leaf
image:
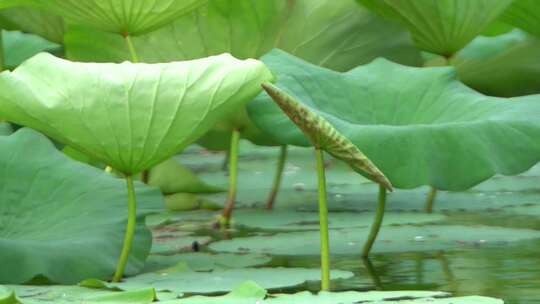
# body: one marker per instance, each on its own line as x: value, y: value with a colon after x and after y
x: 204, y: 261
x: 441, y: 26
x: 181, y: 279
x: 43, y: 193
x: 148, y: 111
x: 59, y: 294
x: 7, y: 296
x: 505, y: 65
x: 391, y: 239
x: 420, y: 126
x: 335, y: 34
x: 18, y: 47
x: 132, y: 17
x: 29, y: 20
x: 378, y: 297
x: 524, y: 14
x: 247, y: 293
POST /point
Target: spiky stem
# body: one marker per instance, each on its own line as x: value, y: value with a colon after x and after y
x: 430, y: 201
x: 130, y: 230
x: 323, y: 215
x: 277, y: 179
x: 233, y: 179
x: 376, y: 227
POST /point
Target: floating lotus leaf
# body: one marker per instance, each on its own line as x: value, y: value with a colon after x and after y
x: 441, y: 26
x: 420, y: 126
x: 30, y: 20
x: 180, y: 279
x: 524, y: 14
x: 59, y: 218
x: 507, y: 65
x: 133, y: 17
x: 286, y: 219
x: 59, y: 294
x: 204, y: 261
x: 378, y: 297
x: 129, y: 116
x: 390, y: 239
x: 247, y: 293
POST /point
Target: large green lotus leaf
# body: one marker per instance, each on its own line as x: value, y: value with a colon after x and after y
x: 59, y: 218
x: 171, y: 177
x: 129, y: 116
x: 204, y: 261
x: 390, y: 239
x: 420, y: 126
x: 132, y: 17
x: 30, y: 20
x: 181, y: 279
x: 378, y: 297
x: 524, y: 14
x: 335, y: 34
x: 441, y: 26
x: 18, y: 47
x: 59, y: 294
x: 507, y: 65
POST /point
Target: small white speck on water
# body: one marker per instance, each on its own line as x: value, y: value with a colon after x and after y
x: 299, y: 186
x: 339, y: 196
x: 351, y: 243
x: 258, y: 172
x: 418, y: 238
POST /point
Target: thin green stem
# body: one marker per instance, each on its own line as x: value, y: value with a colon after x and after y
x: 430, y: 201
x: 376, y: 227
x: 130, y: 230
x: 233, y: 178
x: 2, y: 59
x: 370, y: 269
x: 131, y: 48
x: 277, y: 179
x: 323, y: 215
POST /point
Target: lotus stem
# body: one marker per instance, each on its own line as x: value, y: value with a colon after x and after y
x: 372, y: 273
x: 131, y: 48
x: 233, y: 179
x: 2, y: 59
x: 430, y: 201
x: 376, y: 226
x: 277, y: 179
x: 130, y: 230
x: 323, y: 215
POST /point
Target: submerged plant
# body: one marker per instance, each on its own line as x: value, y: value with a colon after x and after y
x: 420, y: 126
x: 130, y: 116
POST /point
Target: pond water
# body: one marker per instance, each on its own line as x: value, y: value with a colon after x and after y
x: 505, y: 269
